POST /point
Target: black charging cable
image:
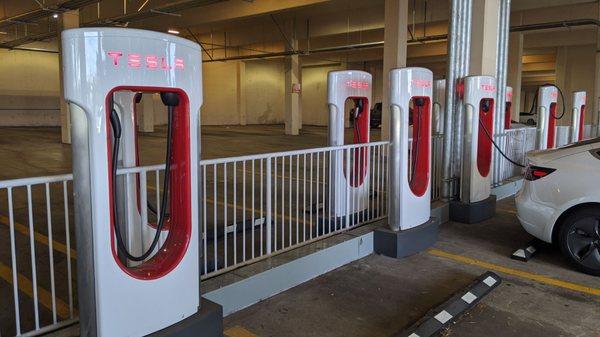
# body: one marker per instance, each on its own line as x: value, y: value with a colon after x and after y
x: 486, y: 107
x: 419, y: 103
x: 171, y: 100
x: 535, y: 99
x: 358, y: 103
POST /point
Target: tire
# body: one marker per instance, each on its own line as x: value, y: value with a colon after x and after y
x: 579, y: 239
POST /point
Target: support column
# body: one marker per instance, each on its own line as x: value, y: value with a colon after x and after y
x: 146, y: 113
x: 293, y: 90
x: 241, y: 92
x: 484, y: 38
x: 562, y: 81
x: 394, y: 52
x: 515, y: 70
x: 66, y: 20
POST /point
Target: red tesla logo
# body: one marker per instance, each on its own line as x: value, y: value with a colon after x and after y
x: 357, y: 85
x: 554, y: 94
x: 421, y: 83
x: 509, y: 96
x: 149, y: 61
x: 488, y: 87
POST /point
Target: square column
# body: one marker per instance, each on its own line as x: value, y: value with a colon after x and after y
x: 66, y: 20
x: 293, y: 91
x: 484, y: 37
x: 515, y: 70
x: 241, y: 92
x: 146, y: 113
x: 394, y: 52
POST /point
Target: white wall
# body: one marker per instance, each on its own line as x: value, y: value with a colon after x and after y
x: 265, y: 90
x: 29, y: 88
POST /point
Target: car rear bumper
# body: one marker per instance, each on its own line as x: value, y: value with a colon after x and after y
x: 534, y: 216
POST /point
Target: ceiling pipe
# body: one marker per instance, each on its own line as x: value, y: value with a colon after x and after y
x: 42, y: 13
x: 421, y: 40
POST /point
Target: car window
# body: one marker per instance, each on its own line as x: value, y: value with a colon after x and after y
x: 585, y: 142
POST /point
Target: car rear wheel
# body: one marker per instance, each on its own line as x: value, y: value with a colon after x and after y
x: 580, y: 239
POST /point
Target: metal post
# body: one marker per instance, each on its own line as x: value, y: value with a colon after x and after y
x: 269, y: 208
x: 450, y: 93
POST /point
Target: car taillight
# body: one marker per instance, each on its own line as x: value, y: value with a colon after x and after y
x: 537, y: 172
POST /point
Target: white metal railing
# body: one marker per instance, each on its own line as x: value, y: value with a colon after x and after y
x: 260, y: 205
x: 515, y: 143
x: 251, y: 207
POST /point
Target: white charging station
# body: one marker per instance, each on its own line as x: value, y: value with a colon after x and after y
x: 578, y: 117
x: 546, y: 113
x: 475, y: 203
x: 508, y: 108
x: 439, y: 106
x: 411, y: 228
x: 350, y: 193
x: 103, y: 69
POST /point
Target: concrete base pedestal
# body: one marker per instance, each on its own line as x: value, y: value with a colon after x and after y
x: 405, y: 243
x: 473, y: 212
x: 207, y: 322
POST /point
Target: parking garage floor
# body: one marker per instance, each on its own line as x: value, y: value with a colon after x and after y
x: 379, y: 296
x: 375, y: 296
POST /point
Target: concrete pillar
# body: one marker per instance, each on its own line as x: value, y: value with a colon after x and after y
x: 241, y: 92
x: 293, y: 90
x: 66, y: 20
x: 562, y: 81
x: 394, y: 52
x: 145, y: 110
x: 484, y: 37
x: 515, y: 70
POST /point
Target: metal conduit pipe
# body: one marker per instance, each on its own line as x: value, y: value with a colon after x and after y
x: 450, y: 92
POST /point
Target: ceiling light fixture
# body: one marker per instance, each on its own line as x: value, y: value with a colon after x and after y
x: 173, y: 31
x: 55, y: 15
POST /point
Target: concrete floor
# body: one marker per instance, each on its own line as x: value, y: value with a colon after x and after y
x: 375, y: 296
x: 379, y: 296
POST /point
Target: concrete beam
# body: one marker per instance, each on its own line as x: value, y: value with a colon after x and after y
x: 225, y: 11
x: 484, y: 37
x: 515, y: 71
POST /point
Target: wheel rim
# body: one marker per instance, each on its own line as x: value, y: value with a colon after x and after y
x: 583, y: 241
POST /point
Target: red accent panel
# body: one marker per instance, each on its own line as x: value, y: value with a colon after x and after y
x: 581, y: 122
x: 507, y: 111
x: 551, y: 126
x: 420, y: 147
x: 361, y: 135
x: 484, y: 144
x: 173, y: 250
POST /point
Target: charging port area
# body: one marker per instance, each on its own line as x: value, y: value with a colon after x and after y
x: 130, y: 271
x: 578, y: 116
x: 475, y: 203
x: 411, y: 228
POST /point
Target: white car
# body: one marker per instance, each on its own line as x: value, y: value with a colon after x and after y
x: 560, y: 201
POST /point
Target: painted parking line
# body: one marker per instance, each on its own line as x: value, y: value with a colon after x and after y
x: 39, y: 237
x: 515, y: 272
x: 26, y: 287
x: 238, y: 331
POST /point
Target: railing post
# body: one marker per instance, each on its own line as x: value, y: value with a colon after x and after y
x: 269, y: 207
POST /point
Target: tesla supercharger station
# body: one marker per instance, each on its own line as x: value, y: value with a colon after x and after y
x: 546, y: 123
x: 119, y: 295
x: 475, y: 203
x: 350, y: 193
x: 508, y: 107
x: 439, y: 106
x: 411, y: 228
x: 578, y: 118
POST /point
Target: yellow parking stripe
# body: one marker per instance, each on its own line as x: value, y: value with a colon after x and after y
x: 44, y: 296
x: 515, y: 272
x: 41, y: 238
x: 238, y: 331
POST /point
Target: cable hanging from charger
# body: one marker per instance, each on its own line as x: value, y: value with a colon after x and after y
x: 497, y: 147
x: 170, y: 100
